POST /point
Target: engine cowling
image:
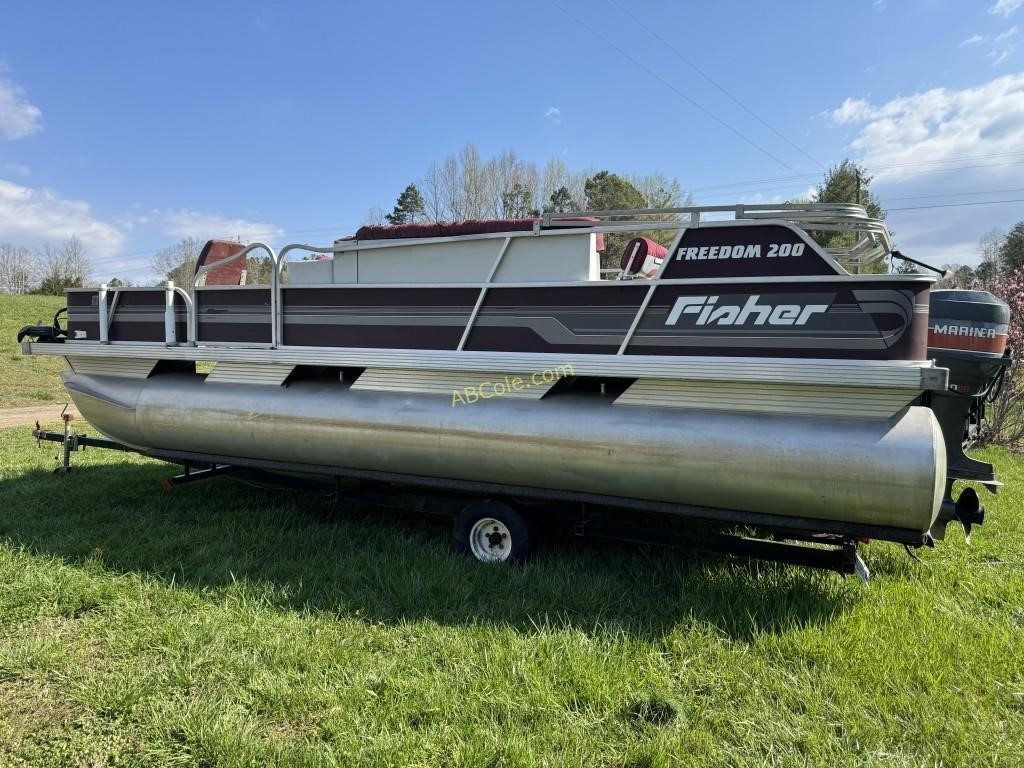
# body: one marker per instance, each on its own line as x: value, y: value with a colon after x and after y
x: 967, y: 333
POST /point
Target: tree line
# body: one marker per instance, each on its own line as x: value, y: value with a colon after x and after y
x: 47, y: 270
x: 51, y: 270
x: 1001, y: 257
x: 466, y: 186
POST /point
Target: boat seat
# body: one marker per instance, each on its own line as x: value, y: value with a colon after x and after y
x: 232, y: 273
x: 642, y: 256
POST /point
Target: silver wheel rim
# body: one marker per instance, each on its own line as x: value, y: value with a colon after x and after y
x: 490, y: 540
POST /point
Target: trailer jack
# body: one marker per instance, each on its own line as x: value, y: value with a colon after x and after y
x: 72, y: 441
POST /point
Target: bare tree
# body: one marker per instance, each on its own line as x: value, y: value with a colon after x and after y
x: 76, y: 263
x: 466, y: 186
x: 433, y: 189
x: 660, y: 191
x: 178, y: 262
x: 19, y: 269
x: 556, y: 176
x: 374, y: 217
x: 64, y: 267
x: 259, y: 270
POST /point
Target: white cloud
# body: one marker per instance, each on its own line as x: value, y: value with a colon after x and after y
x: 554, y: 114
x: 1005, y: 7
x: 999, y: 55
x: 943, y: 147
x: 851, y: 111
x: 1007, y: 34
x: 18, y: 117
x: 207, y: 226
x: 31, y: 217
x: 972, y: 40
x: 937, y: 125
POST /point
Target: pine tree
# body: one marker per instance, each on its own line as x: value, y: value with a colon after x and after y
x: 848, y: 183
x: 1011, y: 250
x: 408, y: 208
x: 561, y: 202
x: 608, y: 191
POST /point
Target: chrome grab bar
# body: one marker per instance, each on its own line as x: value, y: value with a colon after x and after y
x: 274, y: 279
x: 277, y: 330
x: 190, y: 314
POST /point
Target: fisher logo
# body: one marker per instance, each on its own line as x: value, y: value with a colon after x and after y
x: 713, y: 252
x: 964, y: 330
x: 709, y: 312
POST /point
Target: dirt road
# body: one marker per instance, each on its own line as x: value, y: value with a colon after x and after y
x: 30, y: 414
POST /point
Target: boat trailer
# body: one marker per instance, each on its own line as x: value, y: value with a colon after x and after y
x: 570, y: 515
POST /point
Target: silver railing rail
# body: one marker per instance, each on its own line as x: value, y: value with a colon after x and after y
x: 106, y: 314
x: 274, y: 278
x: 190, y: 313
x: 277, y: 318
x: 870, y: 237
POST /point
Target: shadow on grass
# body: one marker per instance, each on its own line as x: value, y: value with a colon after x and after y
x: 387, y: 567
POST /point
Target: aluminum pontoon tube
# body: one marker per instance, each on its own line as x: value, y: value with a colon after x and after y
x: 871, y: 471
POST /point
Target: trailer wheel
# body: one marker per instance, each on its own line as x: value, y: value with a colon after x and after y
x: 492, y: 532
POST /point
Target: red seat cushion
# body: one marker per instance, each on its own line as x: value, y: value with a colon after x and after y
x: 636, y: 254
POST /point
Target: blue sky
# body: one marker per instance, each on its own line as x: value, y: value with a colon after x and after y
x: 134, y: 124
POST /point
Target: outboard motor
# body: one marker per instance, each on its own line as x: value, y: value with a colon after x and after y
x: 967, y: 332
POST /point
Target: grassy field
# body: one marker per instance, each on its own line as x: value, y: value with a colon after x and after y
x: 225, y: 625
x: 27, y: 380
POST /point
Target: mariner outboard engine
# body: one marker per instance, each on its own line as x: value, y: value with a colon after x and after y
x: 967, y: 332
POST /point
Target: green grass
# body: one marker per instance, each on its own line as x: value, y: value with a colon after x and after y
x: 26, y: 380
x: 224, y: 625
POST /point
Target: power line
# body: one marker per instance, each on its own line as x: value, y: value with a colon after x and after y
x: 878, y: 169
x: 958, y: 205
x: 959, y: 194
x: 884, y: 199
x: 673, y: 88
x: 708, y: 77
x: 956, y: 159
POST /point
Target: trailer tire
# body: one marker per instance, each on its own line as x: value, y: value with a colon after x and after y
x: 492, y: 532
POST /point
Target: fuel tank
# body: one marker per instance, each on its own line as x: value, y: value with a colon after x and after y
x: 872, y: 471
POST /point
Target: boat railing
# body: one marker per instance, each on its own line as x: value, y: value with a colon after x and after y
x: 870, y: 241
x: 275, y: 273
x: 107, y: 309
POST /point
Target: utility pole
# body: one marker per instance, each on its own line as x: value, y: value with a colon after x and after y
x: 858, y: 187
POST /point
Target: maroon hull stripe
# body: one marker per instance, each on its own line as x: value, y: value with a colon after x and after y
x: 390, y: 318
x: 581, y: 319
